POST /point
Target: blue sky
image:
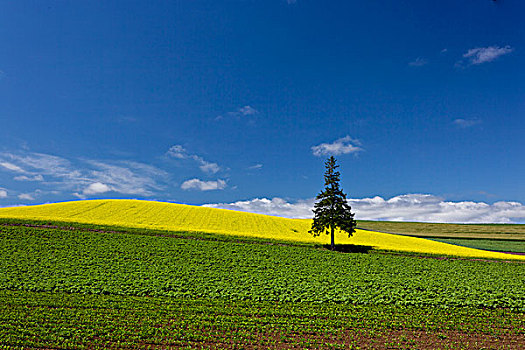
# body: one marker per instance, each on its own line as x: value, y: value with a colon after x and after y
x: 238, y: 103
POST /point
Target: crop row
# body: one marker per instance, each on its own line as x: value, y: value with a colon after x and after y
x: 51, y: 260
x: 60, y: 320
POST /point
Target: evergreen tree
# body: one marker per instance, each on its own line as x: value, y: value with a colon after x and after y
x: 332, y: 210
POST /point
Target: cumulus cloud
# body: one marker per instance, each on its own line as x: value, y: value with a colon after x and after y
x: 179, y: 152
x: 428, y: 208
x: 418, y: 62
x: 275, y: 206
x: 196, y: 184
x: 409, y: 207
x: 3, y: 193
x: 481, y: 55
x: 344, y: 145
x: 94, y: 188
x: 466, y: 123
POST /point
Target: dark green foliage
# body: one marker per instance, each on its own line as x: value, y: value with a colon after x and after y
x: 86, y: 289
x: 331, y: 211
x: 51, y: 260
x: 76, y: 321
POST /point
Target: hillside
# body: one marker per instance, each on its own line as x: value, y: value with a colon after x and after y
x: 178, y: 217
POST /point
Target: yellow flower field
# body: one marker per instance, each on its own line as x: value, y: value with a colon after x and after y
x: 178, y: 217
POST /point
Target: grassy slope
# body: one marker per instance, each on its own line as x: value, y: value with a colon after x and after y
x: 178, y: 217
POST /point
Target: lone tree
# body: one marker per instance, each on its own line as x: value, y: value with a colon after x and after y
x: 332, y: 210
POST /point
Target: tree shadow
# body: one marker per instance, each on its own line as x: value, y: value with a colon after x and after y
x: 349, y: 248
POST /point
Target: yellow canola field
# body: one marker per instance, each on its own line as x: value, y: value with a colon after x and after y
x: 179, y: 217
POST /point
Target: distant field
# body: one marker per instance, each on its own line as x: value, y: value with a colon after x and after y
x: 418, y: 229
x: 504, y: 245
x: 177, y: 217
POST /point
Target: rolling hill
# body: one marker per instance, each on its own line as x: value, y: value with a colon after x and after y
x: 179, y: 217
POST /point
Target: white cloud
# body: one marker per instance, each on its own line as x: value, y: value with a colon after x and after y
x: 197, y: 184
x: 255, y: 167
x: 418, y: 62
x: 481, y: 55
x: 208, y: 167
x: 180, y: 152
x: 177, y: 151
x: 96, y: 188
x: 126, y: 177
x: 428, y: 208
x: 409, y: 207
x: 466, y: 123
x: 12, y: 167
x: 247, y: 110
x: 344, y: 145
x: 276, y: 207
x: 34, y: 164
x: 37, y: 177
x: 3, y: 193
x: 62, y: 174
x: 205, y: 166
x: 26, y: 197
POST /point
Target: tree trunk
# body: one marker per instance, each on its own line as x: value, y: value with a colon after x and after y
x: 332, y: 233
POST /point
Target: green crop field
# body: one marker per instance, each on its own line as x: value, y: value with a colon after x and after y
x: 45, y: 260
x: 88, y: 286
x: 77, y: 321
